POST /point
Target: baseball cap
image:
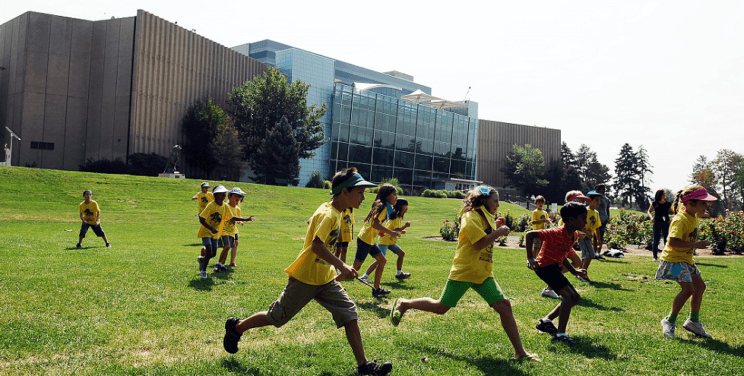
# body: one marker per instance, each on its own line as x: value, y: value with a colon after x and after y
x: 236, y: 191
x: 205, y: 184
x: 593, y: 193
x: 219, y: 189
x: 355, y: 180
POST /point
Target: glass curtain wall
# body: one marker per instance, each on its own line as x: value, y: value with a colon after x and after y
x: 386, y: 137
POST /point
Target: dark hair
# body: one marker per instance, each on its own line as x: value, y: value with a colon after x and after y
x: 658, y: 195
x: 600, y: 187
x: 382, y: 194
x: 572, y: 210
x: 87, y: 190
x: 342, y: 176
x: 398, y: 207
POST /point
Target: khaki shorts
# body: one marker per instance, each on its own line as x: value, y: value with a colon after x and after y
x: 536, y: 245
x: 332, y: 296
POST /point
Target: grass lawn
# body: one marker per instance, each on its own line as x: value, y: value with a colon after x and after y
x: 140, y: 308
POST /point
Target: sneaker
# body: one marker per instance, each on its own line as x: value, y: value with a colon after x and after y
x: 655, y: 259
x: 108, y: 245
x: 546, y: 326
x: 564, y: 338
x: 200, y: 260
x: 203, y: 274
x: 223, y: 268
x: 217, y: 268
x: 232, y: 336
x: 365, y: 280
x: 403, y: 275
x: 380, y: 292
x: 599, y: 257
x: 372, y: 368
x: 78, y: 245
x: 697, y: 328
x: 667, y: 327
x: 583, y: 279
x: 550, y: 294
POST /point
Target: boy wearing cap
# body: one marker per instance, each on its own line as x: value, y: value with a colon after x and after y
x: 229, y: 237
x: 204, y: 197
x: 312, y: 276
x: 90, y: 214
x: 213, y: 219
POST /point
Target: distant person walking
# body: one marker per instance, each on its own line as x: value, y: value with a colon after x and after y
x: 659, y: 213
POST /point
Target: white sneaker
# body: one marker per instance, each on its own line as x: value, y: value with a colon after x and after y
x: 203, y: 274
x: 364, y: 279
x: 696, y: 328
x: 550, y: 293
x: 667, y: 327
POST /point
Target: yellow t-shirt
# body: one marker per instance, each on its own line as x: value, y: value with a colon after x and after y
x: 308, y: 267
x: 216, y: 216
x: 89, y: 212
x: 592, y: 221
x: 684, y: 227
x: 347, y: 222
x: 204, y: 199
x: 391, y: 225
x: 230, y: 228
x: 368, y: 233
x: 538, y: 215
x: 470, y: 265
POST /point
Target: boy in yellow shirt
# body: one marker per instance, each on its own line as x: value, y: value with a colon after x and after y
x: 589, y: 236
x: 204, y: 197
x: 229, y: 238
x: 90, y: 214
x: 312, y: 276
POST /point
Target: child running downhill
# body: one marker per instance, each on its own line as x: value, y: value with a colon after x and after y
x: 557, y: 244
x: 380, y: 212
x: 312, y: 276
x: 229, y: 238
x: 677, y: 263
x: 389, y: 242
x: 204, y: 197
x: 472, y: 267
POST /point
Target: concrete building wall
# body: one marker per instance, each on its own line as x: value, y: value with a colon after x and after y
x: 173, y: 68
x: 496, y: 139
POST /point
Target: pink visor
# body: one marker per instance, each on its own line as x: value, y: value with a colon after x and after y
x: 700, y: 194
x: 578, y: 198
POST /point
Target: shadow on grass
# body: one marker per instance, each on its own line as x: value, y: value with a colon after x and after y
x: 715, y: 345
x: 375, y: 308
x: 225, y: 274
x: 588, y: 303
x: 487, y: 364
x: 192, y: 245
x: 397, y: 285
x: 613, y: 260
x: 589, y: 349
x: 201, y: 284
x: 608, y: 285
x: 233, y: 365
x: 713, y: 265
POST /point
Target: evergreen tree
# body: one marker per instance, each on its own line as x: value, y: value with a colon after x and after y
x: 644, y: 171
x: 524, y: 168
x: 199, y: 126
x: 725, y: 168
x: 562, y: 176
x: 626, y: 174
x: 277, y: 158
x: 227, y: 150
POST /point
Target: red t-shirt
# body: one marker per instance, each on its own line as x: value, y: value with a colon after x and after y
x: 557, y: 245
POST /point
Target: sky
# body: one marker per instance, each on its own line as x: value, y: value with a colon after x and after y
x: 667, y: 75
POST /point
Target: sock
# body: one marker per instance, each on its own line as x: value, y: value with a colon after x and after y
x: 672, y: 318
x: 365, y: 276
x: 400, y: 271
x: 695, y: 316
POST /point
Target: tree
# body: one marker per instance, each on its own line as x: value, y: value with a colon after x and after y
x: 590, y: 171
x: 277, y: 158
x: 259, y: 105
x: 644, y: 170
x: 524, y: 168
x: 562, y: 176
x: 725, y: 168
x: 626, y: 173
x: 227, y: 150
x: 199, y: 126
x: 702, y: 174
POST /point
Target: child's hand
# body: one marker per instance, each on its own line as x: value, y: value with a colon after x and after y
x: 583, y: 234
x: 580, y: 271
x: 214, y: 230
x: 702, y: 244
x: 346, y: 272
x: 408, y: 224
x: 241, y: 223
x: 503, y: 231
x: 531, y: 263
x: 395, y: 234
x: 251, y: 219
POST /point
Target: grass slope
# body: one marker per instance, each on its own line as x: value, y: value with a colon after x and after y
x: 139, y: 307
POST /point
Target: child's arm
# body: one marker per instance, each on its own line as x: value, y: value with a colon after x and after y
x: 651, y: 213
x: 205, y: 224
x: 98, y: 218
x: 405, y: 226
x: 529, y: 239
x: 196, y: 197
x: 490, y: 238
x: 347, y: 272
x: 595, y: 241
x: 241, y: 219
x: 82, y: 218
x: 380, y: 228
x: 571, y: 269
x: 679, y: 243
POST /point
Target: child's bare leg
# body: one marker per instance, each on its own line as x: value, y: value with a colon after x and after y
x: 585, y: 263
x: 257, y: 320
x: 683, y: 296
x: 571, y: 297
x: 422, y: 304
x: 204, y: 252
x: 209, y: 252
x: 223, y: 255
x: 233, y: 253
x: 401, y: 254
x: 697, y: 295
x: 105, y: 239
x: 504, y: 309
x: 342, y: 256
x: 381, y: 261
x: 354, y: 337
x: 372, y: 267
x: 80, y: 241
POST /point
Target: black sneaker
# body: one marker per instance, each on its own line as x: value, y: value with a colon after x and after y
x: 232, y: 337
x: 380, y: 292
x: 217, y: 268
x: 78, y: 245
x: 546, y: 326
x: 372, y: 368
x: 565, y: 339
x: 108, y: 245
x: 223, y: 268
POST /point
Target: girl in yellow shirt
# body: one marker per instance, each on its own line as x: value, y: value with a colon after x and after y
x: 473, y: 268
x: 389, y: 242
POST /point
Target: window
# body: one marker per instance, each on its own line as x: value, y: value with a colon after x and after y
x: 42, y: 145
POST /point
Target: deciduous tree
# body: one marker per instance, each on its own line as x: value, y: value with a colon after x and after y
x: 524, y: 168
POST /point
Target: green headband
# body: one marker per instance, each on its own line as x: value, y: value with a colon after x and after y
x: 350, y: 182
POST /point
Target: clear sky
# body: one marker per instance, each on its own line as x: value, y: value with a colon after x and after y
x: 668, y: 75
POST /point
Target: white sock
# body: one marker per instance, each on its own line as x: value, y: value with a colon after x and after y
x: 400, y: 271
x: 365, y: 276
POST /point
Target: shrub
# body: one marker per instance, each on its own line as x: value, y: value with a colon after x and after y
x: 327, y: 185
x: 117, y: 166
x: 523, y: 223
x: 450, y: 230
x: 724, y: 232
x: 315, y: 181
x: 146, y: 164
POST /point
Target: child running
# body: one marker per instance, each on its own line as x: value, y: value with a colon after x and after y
x: 90, y: 214
x: 557, y: 243
x: 213, y: 220
x: 312, y: 276
x: 229, y: 238
x: 677, y: 263
x: 388, y: 242
x: 540, y: 221
x: 204, y: 197
x: 380, y: 212
x: 472, y: 268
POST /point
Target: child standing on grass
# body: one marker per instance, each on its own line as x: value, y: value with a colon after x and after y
x: 229, y: 238
x: 90, y: 214
x: 347, y: 229
x: 472, y: 268
x: 388, y: 242
x: 312, y: 276
x: 589, y: 236
x: 380, y: 212
x: 540, y: 221
x: 557, y: 244
x: 204, y: 197
x: 213, y: 219
x: 677, y: 263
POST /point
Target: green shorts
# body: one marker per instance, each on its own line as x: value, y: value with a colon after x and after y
x: 454, y: 290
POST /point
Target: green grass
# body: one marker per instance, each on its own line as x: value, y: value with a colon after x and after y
x: 140, y: 308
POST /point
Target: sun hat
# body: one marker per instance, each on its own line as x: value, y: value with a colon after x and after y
x: 236, y: 191
x: 579, y: 197
x: 219, y: 189
x: 205, y: 184
x: 355, y: 180
x: 700, y: 194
